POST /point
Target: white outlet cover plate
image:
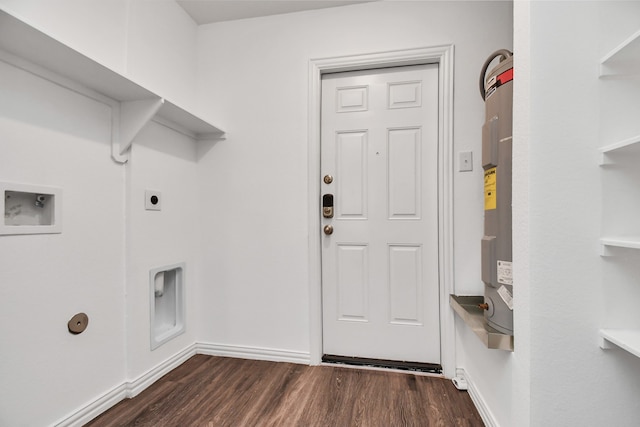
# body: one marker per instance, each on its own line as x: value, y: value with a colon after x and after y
x: 465, y: 161
x: 148, y: 200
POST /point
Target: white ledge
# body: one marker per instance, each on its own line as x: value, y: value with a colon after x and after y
x: 617, y: 146
x: 624, y: 57
x: 626, y: 339
x: 631, y: 242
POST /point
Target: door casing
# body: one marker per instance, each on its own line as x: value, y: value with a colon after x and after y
x: 443, y: 56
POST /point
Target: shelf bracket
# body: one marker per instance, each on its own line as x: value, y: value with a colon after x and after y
x: 128, y: 121
x: 603, y: 158
x: 134, y: 115
x: 605, y: 344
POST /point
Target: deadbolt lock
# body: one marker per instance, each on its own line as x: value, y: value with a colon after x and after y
x: 328, y: 179
x: 327, y: 206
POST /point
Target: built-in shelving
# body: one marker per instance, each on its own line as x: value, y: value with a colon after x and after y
x: 623, y: 58
x: 22, y: 43
x: 627, y: 339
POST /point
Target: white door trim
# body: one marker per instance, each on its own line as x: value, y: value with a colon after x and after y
x: 443, y: 55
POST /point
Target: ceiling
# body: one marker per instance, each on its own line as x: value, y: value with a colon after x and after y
x: 209, y: 11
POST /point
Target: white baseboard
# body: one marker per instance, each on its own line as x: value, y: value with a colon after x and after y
x: 477, y: 399
x: 95, y: 408
x: 132, y: 388
x: 151, y: 376
x: 255, y: 353
x: 126, y: 390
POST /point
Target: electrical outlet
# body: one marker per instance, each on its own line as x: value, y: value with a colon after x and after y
x: 152, y: 200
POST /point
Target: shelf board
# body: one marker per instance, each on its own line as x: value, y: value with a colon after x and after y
x: 627, y: 339
x: 29, y: 44
x: 629, y: 142
x: 630, y: 242
x: 624, y: 57
x: 622, y: 242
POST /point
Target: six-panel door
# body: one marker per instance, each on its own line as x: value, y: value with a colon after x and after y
x: 379, y: 143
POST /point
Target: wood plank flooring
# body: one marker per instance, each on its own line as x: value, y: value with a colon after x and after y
x: 208, y: 391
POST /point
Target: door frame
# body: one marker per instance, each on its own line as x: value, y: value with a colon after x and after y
x: 443, y: 56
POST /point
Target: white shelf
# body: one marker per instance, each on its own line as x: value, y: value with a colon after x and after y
x: 622, y: 242
x: 21, y: 40
x: 625, y: 56
x: 627, y: 339
x: 621, y: 68
x: 631, y: 242
x: 617, y: 146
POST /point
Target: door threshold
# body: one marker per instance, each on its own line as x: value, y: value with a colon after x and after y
x: 414, y: 367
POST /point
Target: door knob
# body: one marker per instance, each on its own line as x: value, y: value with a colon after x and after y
x: 328, y: 229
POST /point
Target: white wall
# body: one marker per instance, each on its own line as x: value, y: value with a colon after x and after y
x: 55, y: 137
x: 253, y: 78
x: 161, y: 53
x: 521, y: 366
x: 165, y: 161
x: 153, y: 42
x: 100, y: 263
x: 573, y: 381
x: 97, y: 28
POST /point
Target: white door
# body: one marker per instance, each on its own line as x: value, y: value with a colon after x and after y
x: 379, y: 144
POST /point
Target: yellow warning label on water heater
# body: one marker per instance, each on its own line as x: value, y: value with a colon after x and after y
x: 490, y: 189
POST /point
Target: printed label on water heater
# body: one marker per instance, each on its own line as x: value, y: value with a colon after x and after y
x: 490, y: 83
x: 506, y: 296
x: 490, y: 189
x: 505, y: 273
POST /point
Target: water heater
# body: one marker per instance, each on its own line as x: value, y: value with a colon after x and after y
x: 496, y: 89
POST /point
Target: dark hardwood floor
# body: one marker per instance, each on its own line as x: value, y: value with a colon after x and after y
x: 209, y: 391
